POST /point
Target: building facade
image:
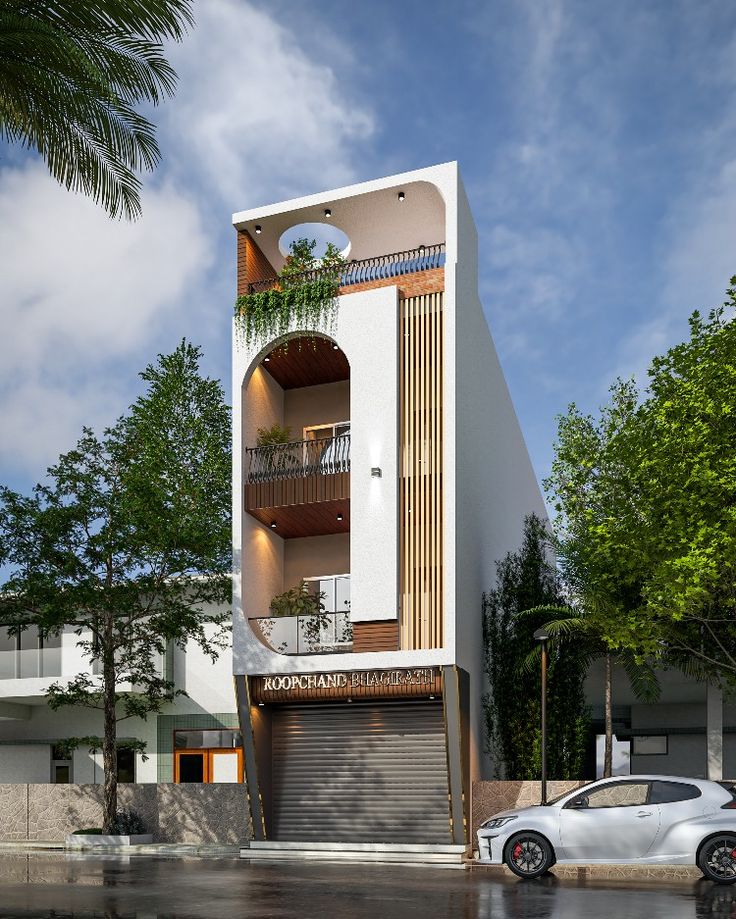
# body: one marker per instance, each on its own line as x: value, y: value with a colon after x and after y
x: 196, y: 738
x: 403, y: 478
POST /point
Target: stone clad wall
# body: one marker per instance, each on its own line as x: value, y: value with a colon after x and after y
x: 491, y: 798
x: 187, y: 814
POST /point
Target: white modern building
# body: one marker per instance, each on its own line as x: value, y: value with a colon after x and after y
x: 195, y: 738
x: 405, y: 477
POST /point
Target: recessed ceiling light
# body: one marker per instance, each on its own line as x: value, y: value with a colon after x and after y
x: 328, y: 212
x: 401, y: 196
x: 258, y: 228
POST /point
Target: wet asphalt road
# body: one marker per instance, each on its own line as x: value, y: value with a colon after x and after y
x: 64, y: 886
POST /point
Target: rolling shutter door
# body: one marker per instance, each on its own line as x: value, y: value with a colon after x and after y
x: 360, y: 773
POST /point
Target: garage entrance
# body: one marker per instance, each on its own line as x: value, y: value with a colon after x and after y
x: 360, y: 772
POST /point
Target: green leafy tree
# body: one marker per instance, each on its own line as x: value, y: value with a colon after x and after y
x: 579, y: 628
x: 127, y: 543
x: 646, y: 505
x: 525, y: 579
x: 72, y: 76
x: 685, y: 479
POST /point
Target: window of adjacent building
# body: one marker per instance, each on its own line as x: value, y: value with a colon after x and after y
x: 669, y: 792
x: 126, y: 765
x: 29, y: 655
x: 208, y: 756
x: 650, y: 745
x: 61, y: 766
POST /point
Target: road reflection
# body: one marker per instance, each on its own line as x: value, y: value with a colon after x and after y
x: 59, y: 886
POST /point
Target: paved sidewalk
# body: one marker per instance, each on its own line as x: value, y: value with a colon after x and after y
x: 171, y: 850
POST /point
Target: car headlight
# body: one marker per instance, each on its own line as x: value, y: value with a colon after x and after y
x: 495, y: 822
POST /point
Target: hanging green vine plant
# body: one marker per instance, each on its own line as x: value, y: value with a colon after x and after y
x: 305, y: 298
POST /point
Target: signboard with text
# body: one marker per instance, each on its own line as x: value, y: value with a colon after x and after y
x: 410, y: 682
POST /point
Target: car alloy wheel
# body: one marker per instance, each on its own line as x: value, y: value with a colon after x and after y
x: 528, y: 855
x: 717, y: 859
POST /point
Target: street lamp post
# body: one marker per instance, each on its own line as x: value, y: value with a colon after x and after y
x: 542, y: 636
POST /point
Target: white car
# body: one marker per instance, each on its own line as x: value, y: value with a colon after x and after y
x: 642, y: 819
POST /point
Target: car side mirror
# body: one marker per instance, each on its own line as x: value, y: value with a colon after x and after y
x: 579, y: 803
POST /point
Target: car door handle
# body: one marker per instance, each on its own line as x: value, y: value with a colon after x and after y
x: 644, y: 814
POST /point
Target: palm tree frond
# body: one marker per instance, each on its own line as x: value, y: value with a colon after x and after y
x: 70, y: 76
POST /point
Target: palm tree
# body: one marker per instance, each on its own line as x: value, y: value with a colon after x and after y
x: 577, y: 625
x: 71, y: 76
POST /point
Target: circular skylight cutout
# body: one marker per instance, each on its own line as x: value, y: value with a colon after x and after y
x: 321, y: 233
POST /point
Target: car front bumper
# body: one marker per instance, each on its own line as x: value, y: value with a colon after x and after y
x: 490, y: 846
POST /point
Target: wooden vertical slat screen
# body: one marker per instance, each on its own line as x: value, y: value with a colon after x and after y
x: 421, y: 509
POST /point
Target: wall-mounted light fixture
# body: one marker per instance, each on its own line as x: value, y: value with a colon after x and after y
x: 266, y: 359
x: 431, y: 697
x: 422, y: 247
x: 401, y: 196
x: 376, y: 472
x: 336, y: 347
x: 339, y: 517
x: 328, y: 212
x: 259, y: 228
x: 273, y: 524
x: 349, y: 700
x: 260, y: 703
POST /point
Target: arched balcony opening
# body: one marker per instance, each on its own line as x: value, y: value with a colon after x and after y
x: 296, y: 492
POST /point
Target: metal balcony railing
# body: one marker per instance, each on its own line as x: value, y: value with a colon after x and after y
x: 322, y: 633
x: 365, y: 270
x: 272, y: 463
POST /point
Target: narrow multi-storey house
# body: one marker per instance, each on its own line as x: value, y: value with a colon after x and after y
x: 402, y: 479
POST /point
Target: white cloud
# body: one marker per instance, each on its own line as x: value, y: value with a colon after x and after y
x: 78, y: 292
x: 257, y: 115
x: 86, y: 302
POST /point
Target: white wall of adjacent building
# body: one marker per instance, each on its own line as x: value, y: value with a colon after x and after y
x: 26, y: 742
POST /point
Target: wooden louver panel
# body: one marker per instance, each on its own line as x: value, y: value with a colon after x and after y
x: 421, y: 506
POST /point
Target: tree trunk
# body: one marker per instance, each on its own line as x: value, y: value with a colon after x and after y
x: 608, y: 754
x: 109, y: 743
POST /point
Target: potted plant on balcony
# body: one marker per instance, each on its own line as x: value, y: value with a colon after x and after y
x: 304, y: 296
x: 308, y: 606
x: 275, y: 454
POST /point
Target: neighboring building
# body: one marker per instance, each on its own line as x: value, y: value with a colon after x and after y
x: 406, y: 480
x: 196, y: 738
x: 689, y: 731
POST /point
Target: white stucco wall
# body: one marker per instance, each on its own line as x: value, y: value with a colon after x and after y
x: 306, y: 406
x: 25, y: 763
x: 494, y: 485
x: 374, y: 374
x: 314, y: 556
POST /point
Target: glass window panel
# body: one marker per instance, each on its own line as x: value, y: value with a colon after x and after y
x: 8, y: 653
x: 62, y: 773
x: 29, y: 654
x: 126, y: 765
x: 342, y: 595
x: 669, y: 792
x: 650, y: 745
x: 225, y: 767
x: 202, y: 740
x: 191, y: 767
x: 620, y: 794
x: 51, y: 656
x: 327, y: 586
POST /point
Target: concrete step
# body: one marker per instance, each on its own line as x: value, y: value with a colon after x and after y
x: 449, y: 856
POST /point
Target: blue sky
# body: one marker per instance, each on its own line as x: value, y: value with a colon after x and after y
x: 596, y: 142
